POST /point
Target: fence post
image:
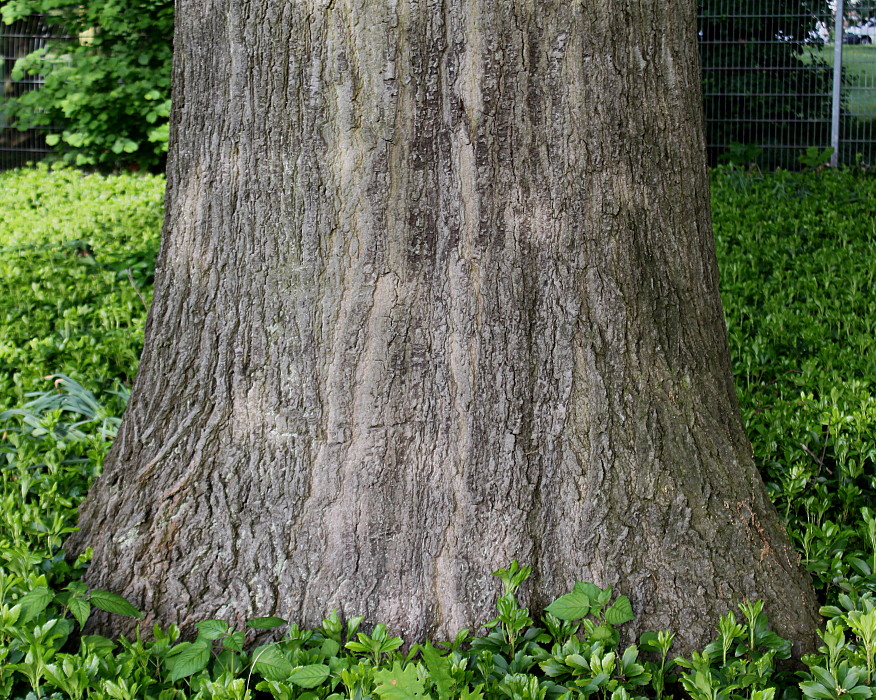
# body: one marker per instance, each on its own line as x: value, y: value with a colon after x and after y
x: 837, y: 82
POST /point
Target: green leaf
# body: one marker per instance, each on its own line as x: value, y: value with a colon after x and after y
x: 825, y: 676
x: 53, y: 139
x: 572, y: 606
x: 233, y: 642
x: 278, y: 690
x: 191, y: 659
x: 309, y: 676
x: 110, y: 602
x: 474, y: 694
x: 265, y: 623
x: 606, y: 634
x: 81, y: 609
x: 34, y: 602
x: 591, y: 590
x: 212, y: 629
x: 270, y: 662
x: 329, y: 648
x: 816, y: 690
x: 621, y: 611
x: 439, y: 670
x: 398, y: 683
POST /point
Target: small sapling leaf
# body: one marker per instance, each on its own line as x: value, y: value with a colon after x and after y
x: 34, y: 602
x: 572, y: 606
x: 80, y: 609
x: 110, y: 602
x: 191, y: 659
x: 265, y: 623
x: 309, y: 676
x: 278, y: 690
x: 474, y: 694
x: 233, y: 642
x: 329, y: 648
x: 439, y: 670
x: 591, y: 590
x: 212, y: 629
x: 621, y: 611
x: 271, y: 664
x: 398, y: 683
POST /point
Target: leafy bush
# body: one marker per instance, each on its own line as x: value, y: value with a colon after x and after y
x: 795, y: 252
x: 108, y: 84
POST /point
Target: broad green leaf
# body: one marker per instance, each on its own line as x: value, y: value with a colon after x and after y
x: 81, y: 609
x: 621, y: 611
x: 34, y: 602
x: 329, y: 648
x: 572, y: 606
x: 265, y: 623
x: 233, y: 642
x: 113, y: 603
x: 439, y: 670
x: 191, y: 659
x: 398, y: 683
x: 591, y: 590
x: 270, y: 662
x: 309, y: 676
x: 606, y: 634
x: 649, y: 642
x: 859, y: 565
x: 212, y: 629
x: 816, y: 690
x: 824, y: 676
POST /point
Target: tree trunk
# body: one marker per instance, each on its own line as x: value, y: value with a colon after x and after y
x: 437, y: 290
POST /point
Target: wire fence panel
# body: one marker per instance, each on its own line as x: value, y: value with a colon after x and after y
x: 857, y: 133
x: 767, y: 68
x: 17, y: 40
x: 768, y: 81
x: 766, y: 84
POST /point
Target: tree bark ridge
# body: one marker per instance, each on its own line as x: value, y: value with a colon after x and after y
x: 437, y: 290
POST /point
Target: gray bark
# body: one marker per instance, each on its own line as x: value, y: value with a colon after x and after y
x: 437, y: 290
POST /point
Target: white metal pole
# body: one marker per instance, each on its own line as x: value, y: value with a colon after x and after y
x: 837, y: 82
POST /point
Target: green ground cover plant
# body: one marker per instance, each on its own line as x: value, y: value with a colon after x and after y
x: 76, y: 259
x: 77, y: 254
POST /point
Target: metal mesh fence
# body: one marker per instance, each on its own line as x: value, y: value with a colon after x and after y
x: 768, y: 81
x: 857, y: 133
x: 16, y: 41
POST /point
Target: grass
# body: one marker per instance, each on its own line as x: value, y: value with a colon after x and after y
x: 859, y: 63
x: 795, y: 251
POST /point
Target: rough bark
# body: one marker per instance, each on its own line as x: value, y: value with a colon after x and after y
x: 437, y: 289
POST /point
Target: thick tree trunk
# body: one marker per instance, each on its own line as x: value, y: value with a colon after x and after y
x: 437, y: 290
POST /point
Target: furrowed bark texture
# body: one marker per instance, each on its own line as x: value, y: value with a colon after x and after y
x: 437, y: 290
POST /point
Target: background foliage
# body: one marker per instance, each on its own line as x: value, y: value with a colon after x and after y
x: 111, y: 90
